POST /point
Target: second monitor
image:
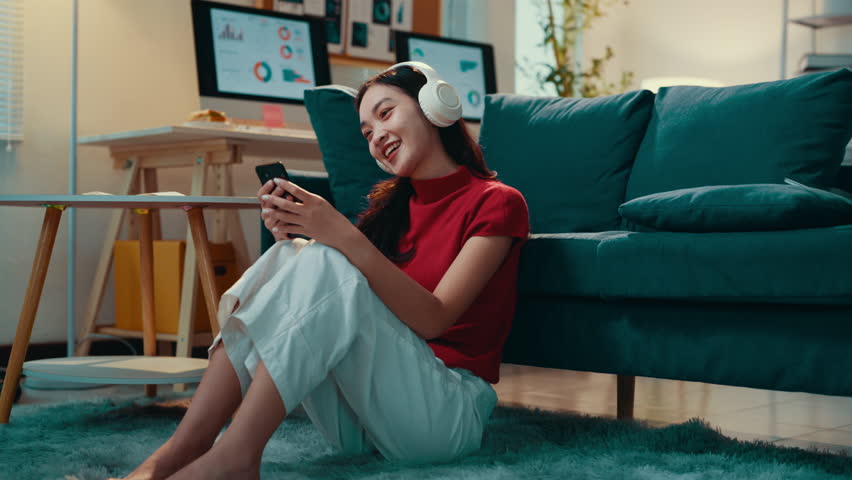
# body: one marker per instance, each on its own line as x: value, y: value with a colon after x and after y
x: 468, y: 66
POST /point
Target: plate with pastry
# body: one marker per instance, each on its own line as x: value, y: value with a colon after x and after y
x: 207, y: 118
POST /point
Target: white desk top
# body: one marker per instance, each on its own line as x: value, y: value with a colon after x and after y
x: 129, y: 201
x: 256, y: 140
x: 194, y: 131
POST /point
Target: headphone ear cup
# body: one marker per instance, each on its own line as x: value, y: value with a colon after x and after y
x: 427, y: 111
x: 440, y: 103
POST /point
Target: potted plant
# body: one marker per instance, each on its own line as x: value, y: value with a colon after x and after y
x: 563, y: 29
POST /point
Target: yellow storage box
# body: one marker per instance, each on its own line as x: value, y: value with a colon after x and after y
x: 168, y: 276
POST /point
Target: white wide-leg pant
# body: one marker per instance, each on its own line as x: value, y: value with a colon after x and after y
x: 365, y: 379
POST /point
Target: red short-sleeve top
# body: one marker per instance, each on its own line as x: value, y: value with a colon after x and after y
x: 445, y: 213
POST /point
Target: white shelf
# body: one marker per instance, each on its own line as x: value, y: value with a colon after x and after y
x: 123, y: 370
x: 822, y: 21
x: 814, y: 22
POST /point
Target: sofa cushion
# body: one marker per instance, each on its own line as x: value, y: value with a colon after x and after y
x: 739, y: 208
x: 758, y: 133
x: 352, y: 171
x: 786, y: 266
x: 569, y: 157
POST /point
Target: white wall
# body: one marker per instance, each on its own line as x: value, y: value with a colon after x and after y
x: 136, y: 70
x: 733, y: 41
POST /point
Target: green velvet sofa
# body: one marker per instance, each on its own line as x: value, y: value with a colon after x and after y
x: 665, y: 241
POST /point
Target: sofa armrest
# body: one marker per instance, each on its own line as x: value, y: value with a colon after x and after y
x: 314, y: 182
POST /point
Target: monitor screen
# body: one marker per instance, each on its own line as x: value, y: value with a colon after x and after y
x: 468, y: 66
x: 253, y: 54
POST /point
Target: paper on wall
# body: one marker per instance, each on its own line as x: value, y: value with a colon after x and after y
x: 334, y: 12
x: 294, y: 7
x: 315, y: 7
x: 370, y: 25
x: 403, y: 15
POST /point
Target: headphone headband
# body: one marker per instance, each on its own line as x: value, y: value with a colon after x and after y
x: 427, y: 71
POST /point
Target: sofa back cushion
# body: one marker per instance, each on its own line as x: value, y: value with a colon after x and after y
x: 352, y: 171
x: 569, y: 157
x: 758, y: 133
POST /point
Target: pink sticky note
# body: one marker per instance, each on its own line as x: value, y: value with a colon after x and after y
x: 273, y: 116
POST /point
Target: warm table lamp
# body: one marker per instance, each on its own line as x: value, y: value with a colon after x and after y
x: 654, y: 83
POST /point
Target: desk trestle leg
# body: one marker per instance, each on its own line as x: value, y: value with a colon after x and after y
x: 104, y: 263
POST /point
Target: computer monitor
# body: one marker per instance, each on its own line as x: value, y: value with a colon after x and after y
x: 247, y: 57
x: 468, y: 66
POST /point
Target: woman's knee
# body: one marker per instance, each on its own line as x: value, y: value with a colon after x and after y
x: 325, y: 261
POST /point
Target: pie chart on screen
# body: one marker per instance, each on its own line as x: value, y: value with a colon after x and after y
x: 262, y: 72
x: 474, y: 98
x: 286, y: 52
x: 284, y: 33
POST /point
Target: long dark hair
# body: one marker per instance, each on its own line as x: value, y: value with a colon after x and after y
x: 386, y: 219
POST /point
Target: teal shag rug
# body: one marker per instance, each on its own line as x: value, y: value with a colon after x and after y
x: 90, y: 441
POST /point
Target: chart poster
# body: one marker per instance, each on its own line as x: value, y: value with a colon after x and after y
x: 371, y: 24
x: 332, y: 11
x: 259, y: 55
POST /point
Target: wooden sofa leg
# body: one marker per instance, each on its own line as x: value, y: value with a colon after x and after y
x: 626, y: 387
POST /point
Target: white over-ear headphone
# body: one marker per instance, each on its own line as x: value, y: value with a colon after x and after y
x: 439, y: 101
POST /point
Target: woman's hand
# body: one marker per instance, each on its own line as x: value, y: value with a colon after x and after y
x: 271, y: 189
x: 313, y: 217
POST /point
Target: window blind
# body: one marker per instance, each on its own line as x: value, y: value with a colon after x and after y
x: 11, y: 71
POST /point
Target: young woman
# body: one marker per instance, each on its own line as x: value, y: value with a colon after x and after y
x: 388, y: 333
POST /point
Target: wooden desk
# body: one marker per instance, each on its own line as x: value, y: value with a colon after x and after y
x: 198, y: 145
x: 142, y: 204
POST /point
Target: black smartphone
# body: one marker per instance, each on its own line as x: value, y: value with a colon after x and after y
x: 271, y: 170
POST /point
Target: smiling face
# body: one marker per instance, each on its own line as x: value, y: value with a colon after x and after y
x: 400, y: 136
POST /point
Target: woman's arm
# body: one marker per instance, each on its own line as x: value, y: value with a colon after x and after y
x: 427, y: 314
x: 430, y: 314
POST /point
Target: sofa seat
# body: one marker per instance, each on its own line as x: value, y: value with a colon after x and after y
x: 562, y: 264
x: 750, y: 267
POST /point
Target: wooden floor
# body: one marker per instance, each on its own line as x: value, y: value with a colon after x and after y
x: 785, y: 418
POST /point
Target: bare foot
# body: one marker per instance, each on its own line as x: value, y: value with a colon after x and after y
x: 164, y: 462
x: 213, y: 466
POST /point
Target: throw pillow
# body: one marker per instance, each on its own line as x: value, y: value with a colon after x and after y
x: 758, y: 133
x: 738, y: 208
x: 569, y: 157
x: 352, y: 171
